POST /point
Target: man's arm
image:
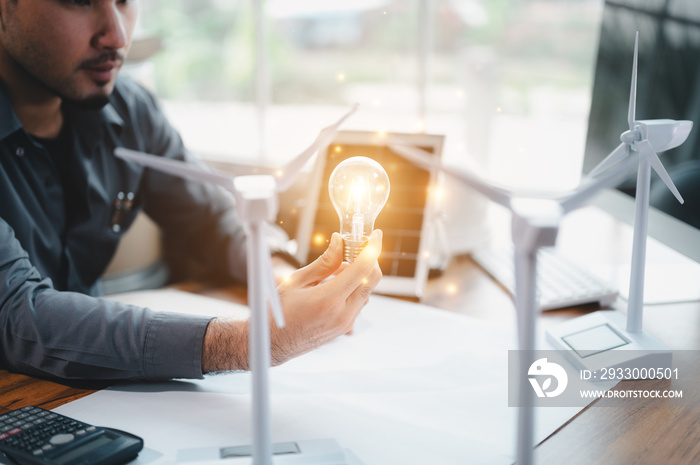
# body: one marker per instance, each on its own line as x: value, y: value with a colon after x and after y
x: 316, y: 309
x: 69, y: 335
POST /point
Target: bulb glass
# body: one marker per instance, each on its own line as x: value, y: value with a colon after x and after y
x: 358, y: 188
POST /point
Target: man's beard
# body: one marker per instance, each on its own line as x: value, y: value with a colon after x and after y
x: 92, y: 102
x: 95, y: 102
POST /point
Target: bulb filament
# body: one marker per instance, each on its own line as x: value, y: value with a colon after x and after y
x: 357, y: 227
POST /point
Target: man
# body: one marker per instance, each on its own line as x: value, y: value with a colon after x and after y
x: 65, y: 200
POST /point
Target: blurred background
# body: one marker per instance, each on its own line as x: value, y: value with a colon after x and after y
x: 507, y: 81
x: 250, y: 83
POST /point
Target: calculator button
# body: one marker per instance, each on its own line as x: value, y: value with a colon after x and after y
x: 47, y: 447
x: 37, y: 452
x: 61, y: 439
x: 90, y: 429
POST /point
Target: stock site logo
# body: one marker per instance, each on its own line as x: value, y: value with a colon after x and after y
x: 542, y: 369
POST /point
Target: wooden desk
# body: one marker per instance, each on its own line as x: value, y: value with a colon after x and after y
x: 17, y: 391
x: 597, y: 435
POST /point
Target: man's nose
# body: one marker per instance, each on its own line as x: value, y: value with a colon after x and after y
x: 111, y: 32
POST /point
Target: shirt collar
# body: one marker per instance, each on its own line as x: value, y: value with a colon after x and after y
x: 110, y: 116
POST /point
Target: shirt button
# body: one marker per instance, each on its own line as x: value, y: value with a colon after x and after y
x: 19, y: 151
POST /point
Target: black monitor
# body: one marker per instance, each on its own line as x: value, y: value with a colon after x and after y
x: 668, y: 87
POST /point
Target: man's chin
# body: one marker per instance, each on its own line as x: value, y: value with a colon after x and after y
x: 94, y: 102
x: 93, y: 96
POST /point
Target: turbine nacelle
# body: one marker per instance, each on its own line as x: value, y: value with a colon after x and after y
x: 535, y: 222
x: 662, y: 134
x: 665, y: 134
x: 259, y: 192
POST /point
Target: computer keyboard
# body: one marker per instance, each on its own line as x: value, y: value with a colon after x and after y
x: 560, y: 281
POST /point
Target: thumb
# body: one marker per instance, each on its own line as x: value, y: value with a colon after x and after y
x: 359, y: 271
x: 323, y: 266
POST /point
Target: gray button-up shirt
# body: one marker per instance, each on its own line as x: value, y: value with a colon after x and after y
x: 52, y: 253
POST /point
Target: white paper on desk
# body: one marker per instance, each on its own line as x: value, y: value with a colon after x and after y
x: 412, y: 385
x: 173, y: 300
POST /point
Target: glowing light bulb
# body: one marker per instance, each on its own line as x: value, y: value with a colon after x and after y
x: 358, y: 188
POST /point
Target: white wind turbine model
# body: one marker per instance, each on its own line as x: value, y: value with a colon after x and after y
x: 594, y: 336
x: 535, y: 224
x: 256, y: 203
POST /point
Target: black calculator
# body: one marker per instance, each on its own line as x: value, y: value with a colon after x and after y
x: 32, y: 435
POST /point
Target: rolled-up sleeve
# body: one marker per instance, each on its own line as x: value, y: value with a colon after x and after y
x: 74, y: 336
x: 173, y: 347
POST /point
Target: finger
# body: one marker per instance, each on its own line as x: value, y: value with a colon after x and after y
x: 323, y: 266
x: 359, y: 270
x: 341, y: 268
x: 360, y: 296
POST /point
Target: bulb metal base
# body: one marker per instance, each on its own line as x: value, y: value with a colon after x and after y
x: 352, y: 249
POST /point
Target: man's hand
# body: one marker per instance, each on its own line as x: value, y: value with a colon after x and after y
x: 317, y: 309
x: 320, y: 301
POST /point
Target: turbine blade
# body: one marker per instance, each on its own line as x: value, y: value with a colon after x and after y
x: 633, y: 86
x: 290, y: 171
x: 620, y: 153
x: 591, y: 186
x: 426, y: 160
x: 177, y: 168
x: 656, y: 164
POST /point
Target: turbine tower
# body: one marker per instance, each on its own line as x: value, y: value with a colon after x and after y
x: 643, y: 140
